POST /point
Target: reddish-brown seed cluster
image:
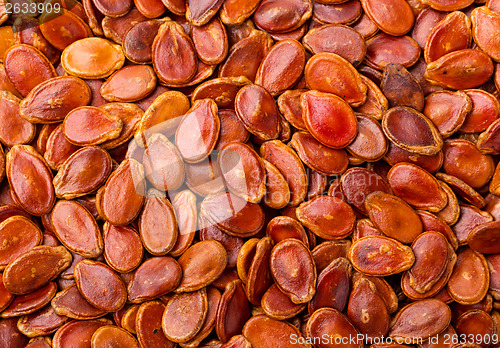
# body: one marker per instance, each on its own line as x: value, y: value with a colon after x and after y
x: 250, y: 173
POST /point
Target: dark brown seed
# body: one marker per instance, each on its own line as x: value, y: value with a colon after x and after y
x: 401, y: 88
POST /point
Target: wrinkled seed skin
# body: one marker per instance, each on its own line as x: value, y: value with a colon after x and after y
x: 401, y: 88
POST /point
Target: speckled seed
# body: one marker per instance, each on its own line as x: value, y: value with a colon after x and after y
x: 51, y: 100
x: 327, y: 217
x: 184, y: 315
x: 100, y: 285
x: 155, y: 277
x: 421, y: 319
x: 201, y: 264
x: 35, y: 268
x: 380, y: 256
x: 76, y: 228
x: 298, y: 281
x: 470, y: 278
